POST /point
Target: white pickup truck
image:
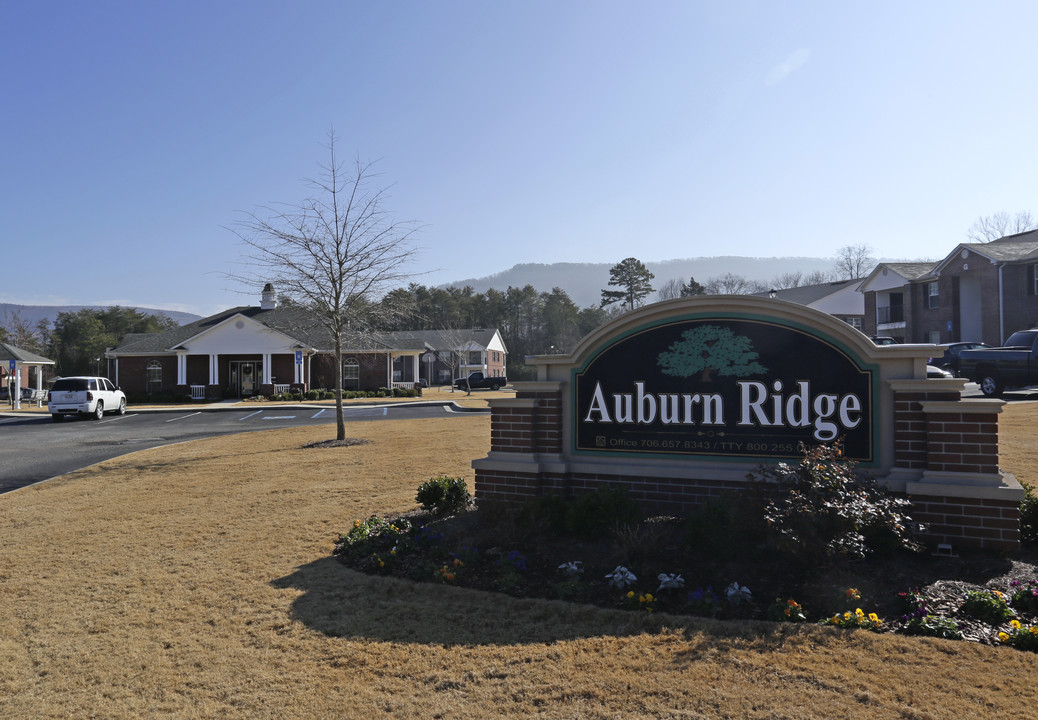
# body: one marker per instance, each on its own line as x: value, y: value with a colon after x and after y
x: 91, y: 396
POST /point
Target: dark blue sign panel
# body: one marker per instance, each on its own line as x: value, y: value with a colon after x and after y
x: 723, y: 387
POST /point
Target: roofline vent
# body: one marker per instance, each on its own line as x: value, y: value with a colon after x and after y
x: 268, y: 300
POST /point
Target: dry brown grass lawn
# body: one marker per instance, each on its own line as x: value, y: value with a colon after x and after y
x: 195, y: 581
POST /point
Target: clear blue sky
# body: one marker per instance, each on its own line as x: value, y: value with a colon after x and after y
x: 135, y: 133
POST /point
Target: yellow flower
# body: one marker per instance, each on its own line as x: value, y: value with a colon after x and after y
x: 847, y: 615
x: 1003, y: 636
x: 630, y: 593
x: 859, y: 612
x: 1015, y: 624
x: 873, y: 617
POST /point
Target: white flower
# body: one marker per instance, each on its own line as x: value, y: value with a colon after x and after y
x: 621, y: 577
x: 670, y: 581
x: 738, y: 594
x: 572, y: 568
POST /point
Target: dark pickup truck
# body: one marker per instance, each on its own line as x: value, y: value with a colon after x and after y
x: 1014, y: 365
x: 479, y: 380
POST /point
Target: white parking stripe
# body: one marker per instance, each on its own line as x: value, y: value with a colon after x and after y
x: 249, y: 415
x: 319, y: 413
x: 116, y: 418
x: 279, y: 417
x: 182, y: 417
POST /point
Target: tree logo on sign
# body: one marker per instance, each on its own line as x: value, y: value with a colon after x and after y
x: 710, y: 350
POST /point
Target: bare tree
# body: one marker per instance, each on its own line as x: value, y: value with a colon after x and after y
x: 669, y: 290
x: 732, y: 284
x: 853, y: 261
x: 996, y: 226
x: 335, y: 254
x: 788, y: 280
x: 17, y: 331
x: 818, y: 277
x: 454, y: 353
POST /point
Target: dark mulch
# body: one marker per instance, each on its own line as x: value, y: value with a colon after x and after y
x: 345, y: 442
x: 475, y: 551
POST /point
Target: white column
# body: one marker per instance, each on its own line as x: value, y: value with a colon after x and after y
x: 181, y: 369
x: 214, y: 369
x: 266, y: 369
x: 16, y: 391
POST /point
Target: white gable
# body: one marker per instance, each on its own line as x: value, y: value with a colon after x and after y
x: 496, y: 342
x: 846, y: 301
x: 239, y: 335
x: 883, y: 278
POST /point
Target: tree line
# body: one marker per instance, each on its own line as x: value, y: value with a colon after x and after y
x: 77, y: 340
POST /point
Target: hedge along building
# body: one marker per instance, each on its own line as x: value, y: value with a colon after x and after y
x: 262, y: 350
x: 681, y: 401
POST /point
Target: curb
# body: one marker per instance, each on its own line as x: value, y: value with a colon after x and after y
x: 222, y: 407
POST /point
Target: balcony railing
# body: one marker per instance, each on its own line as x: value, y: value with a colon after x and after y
x: 890, y: 314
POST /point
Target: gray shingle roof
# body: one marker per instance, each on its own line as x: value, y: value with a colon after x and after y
x: 10, y: 352
x: 807, y: 294
x: 1006, y: 250
x: 300, y: 325
x: 911, y: 271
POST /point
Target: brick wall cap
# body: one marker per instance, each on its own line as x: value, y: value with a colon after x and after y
x: 979, y: 486
x: 513, y: 402
x: 532, y: 386
x: 966, y: 405
x: 928, y: 384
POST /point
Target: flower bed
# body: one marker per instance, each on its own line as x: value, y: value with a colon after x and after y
x: 838, y: 553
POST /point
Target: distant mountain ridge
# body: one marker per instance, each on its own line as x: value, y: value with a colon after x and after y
x: 584, y: 282
x: 32, y: 314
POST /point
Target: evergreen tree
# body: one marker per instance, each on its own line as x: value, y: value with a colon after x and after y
x: 692, y: 288
x: 634, y: 278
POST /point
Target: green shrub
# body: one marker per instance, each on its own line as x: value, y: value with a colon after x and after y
x: 988, y: 605
x: 1020, y: 637
x: 443, y: 495
x: 933, y: 626
x: 821, y: 511
x: 1029, y: 517
x: 726, y: 527
x: 593, y: 515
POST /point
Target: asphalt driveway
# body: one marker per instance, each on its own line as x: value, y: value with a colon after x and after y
x: 33, y: 448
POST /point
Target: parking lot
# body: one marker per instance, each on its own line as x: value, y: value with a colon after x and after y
x: 35, y: 448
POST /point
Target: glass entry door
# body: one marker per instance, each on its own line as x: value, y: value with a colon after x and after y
x: 245, y: 377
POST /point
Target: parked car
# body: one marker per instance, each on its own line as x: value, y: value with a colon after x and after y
x: 880, y: 340
x: 479, y: 380
x: 26, y: 393
x: 85, y: 396
x: 1014, y: 365
x: 932, y: 371
x: 951, y: 360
